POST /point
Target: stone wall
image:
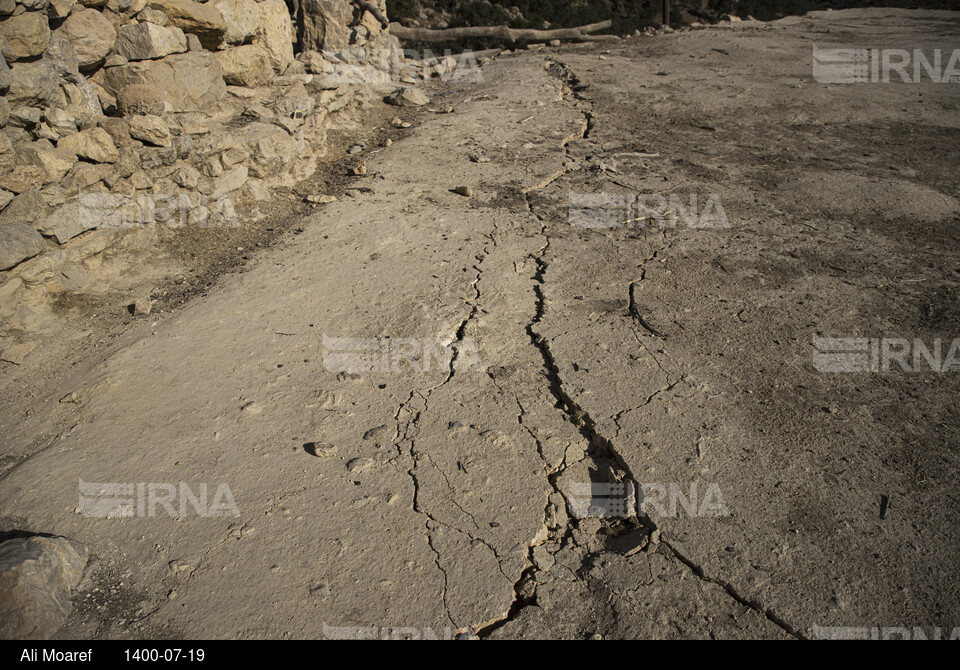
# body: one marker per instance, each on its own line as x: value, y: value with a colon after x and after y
x: 116, y: 113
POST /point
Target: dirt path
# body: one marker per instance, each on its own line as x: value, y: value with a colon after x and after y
x: 445, y: 498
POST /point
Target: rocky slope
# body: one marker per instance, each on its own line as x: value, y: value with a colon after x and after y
x: 123, y: 120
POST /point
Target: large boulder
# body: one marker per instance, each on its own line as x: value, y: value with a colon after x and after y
x: 18, y: 242
x: 81, y: 100
x: 61, y: 55
x: 71, y: 219
x: 21, y: 179
x: 26, y: 35
x: 144, y: 41
x: 203, y: 20
x: 34, y: 84
x: 275, y: 34
x: 325, y: 25
x: 408, y: 97
x: 242, y: 18
x: 28, y: 207
x: 37, y: 578
x: 247, y: 65
x: 92, y: 35
x: 62, y: 122
x: 56, y: 162
x: 93, y: 144
x: 190, y: 82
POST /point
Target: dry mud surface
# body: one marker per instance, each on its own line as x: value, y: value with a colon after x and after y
x: 439, y: 500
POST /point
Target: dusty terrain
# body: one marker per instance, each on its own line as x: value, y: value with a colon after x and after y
x: 440, y: 500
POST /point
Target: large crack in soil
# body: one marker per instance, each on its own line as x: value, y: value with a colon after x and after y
x: 607, y: 461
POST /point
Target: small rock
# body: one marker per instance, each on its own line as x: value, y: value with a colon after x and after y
x: 115, y: 60
x: 140, y: 99
x: 248, y: 65
x: 60, y: 9
x: 321, y: 199
x: 321, y: 450
x: 360, y: 170
x: 188, y: 178
x: 150, y: 129
x: 142, y: 307
x: 145, y: 41
x: 61, y: 122
x: 465, y: 191
x: 378, y: 433
x: 177, y: 567
x: 70, y: 399
x: 154, y: 16
x: 257, y: 191
x: 252, y: 408
x: 358, y: 465
x: 231, y: 181
x: 408, y: 97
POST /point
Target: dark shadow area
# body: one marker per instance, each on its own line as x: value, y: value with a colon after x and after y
x: 627, y: 15
x: 21, y: 535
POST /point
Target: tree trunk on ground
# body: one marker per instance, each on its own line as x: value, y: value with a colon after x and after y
x: 504, y: 33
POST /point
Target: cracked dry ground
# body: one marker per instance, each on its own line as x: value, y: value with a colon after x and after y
x: 635, y: 354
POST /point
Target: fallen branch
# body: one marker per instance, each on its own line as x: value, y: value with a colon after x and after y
x: 504, y: 33
x: 373, y: 9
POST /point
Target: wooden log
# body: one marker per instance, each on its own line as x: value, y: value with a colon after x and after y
x: 504, y: 33
x: 373, y: 9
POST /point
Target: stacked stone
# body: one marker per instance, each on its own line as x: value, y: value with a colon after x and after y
x: 102, y: 101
